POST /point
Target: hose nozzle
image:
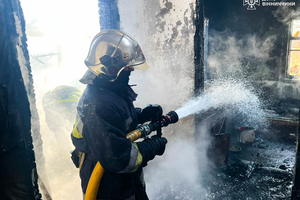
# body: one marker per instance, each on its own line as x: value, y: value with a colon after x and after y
x: 170, y: 118
x: 146, y: 129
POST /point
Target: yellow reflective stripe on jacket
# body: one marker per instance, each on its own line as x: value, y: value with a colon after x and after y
x: 139, y: 159
x: 78, y: 126
x: 76, y: 133
x: 135, y: 161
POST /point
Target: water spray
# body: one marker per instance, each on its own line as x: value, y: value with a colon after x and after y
x: 236, y: 97
x: 141, y: 132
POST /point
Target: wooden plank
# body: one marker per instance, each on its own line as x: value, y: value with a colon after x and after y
x: 284, y: 122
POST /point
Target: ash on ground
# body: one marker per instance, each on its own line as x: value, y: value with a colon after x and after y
x: 263, y: 171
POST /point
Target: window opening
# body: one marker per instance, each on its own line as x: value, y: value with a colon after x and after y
x: 294, y: 49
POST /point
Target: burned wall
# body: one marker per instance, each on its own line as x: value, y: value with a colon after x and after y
x: 251, y: 45
x: 165, y: 30
x: 17, y: 164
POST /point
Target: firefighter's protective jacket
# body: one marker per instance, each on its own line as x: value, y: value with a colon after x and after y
x: 105, y: 115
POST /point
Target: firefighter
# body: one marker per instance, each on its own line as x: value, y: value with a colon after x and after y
x: 60, y: 110
x: 105, y: 114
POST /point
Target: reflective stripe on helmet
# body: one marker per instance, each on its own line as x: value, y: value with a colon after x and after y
x: 66, y: 100
x: 60, y: 96
x: 74, y: 97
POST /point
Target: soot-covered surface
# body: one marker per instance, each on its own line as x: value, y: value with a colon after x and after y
x: 261, y: 171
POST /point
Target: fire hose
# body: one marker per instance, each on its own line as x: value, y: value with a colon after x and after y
x: 141, y: 132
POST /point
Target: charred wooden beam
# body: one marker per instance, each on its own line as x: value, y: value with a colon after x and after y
x: 18, y: 111
x: 199, y: 47
x: 199, y: 55
x: 283, y: 122
x: 109, y: 14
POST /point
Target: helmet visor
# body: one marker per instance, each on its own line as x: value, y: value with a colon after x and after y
x: 139, y: 61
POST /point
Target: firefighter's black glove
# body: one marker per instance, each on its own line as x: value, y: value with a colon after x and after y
x: 149, y: 148
x: 149, y: 113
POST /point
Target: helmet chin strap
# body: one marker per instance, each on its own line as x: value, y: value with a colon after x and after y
x: 120, y: 71
x: 118, y: 74
x: 123, y: 77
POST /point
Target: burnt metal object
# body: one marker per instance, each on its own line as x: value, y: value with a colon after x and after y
x: 212, y: 123
x: 213, y: 120
x: 218, y: 151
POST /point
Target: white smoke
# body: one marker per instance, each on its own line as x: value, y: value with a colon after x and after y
x: 59, y: 34
x: 284, y: 14
x: 230, y: 57
x: 178, y: 173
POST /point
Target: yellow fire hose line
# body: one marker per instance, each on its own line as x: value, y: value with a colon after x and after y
x: 94, y: 182
x: 95, y: 179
